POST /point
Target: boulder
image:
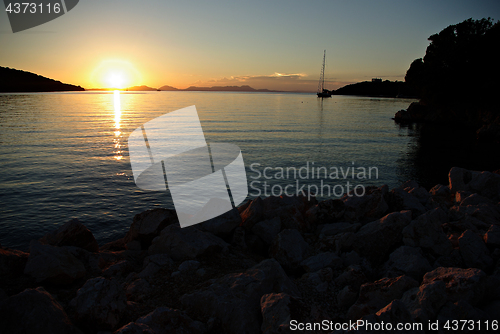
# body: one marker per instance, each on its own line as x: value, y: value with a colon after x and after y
x: 165, y: 320
x: 275, y: 308
x: 53, y: 264
x: 34, y: 311
x: 121, y: 268
x: 409, y: 261
x: 289, y: 248
x: 134, y: 328
x: 440, y: 191
x: 138, y: 290
x: 99, y: 304
x: 353, y: 276
x: 396, y: 313
x: 375, y: 239
x: 148, y: 225
x: 267, y: 230
x: 336, y: 228
x: 370, y: 206
x: 347, y: 296
x: 320, y: 261
x: 328, y: 211
x: 222, y: 225
x: 426, y: 232
x: 474, y: 251
x: 425, y: 301
x: 12, y: 263
x: 189, y: 265
x: 460, y: 310
x: 72, y: 233
x: 234, y: 299
x: 461, y: 284
x: 492, y: 237
x: 185, y: 243
x: 486, y: 184
x: 399, y: 200
x: 376, y: 295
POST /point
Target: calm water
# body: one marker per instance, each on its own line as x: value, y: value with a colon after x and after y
x: 64, y: 155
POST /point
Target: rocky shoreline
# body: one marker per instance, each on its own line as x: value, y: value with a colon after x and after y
x: 405, y: 255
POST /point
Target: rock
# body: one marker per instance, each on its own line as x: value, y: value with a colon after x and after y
x: 370, y: 206
x: 320, y: 261
x: 138, y: 290
x: 222, y: 225
x: 400, y: 200
x: 375, y: 239
x: 148, y: 225
x: 408, y: 261
x: 426, y: 232
x: 235, y: 298
x: 328, y: 211
x: 134, y: 328
x: 376, y: 295
x: 275, y: 308
x: 162, y: 260
x: 185, y: 243
x: 487, y: 213
x: 164, y: 320
x: 396, y: 313
x: 319, y: 279
x: 99, y: 304
x: 460, y: 310
x: 440, y: 191
x: 347, y: 297
x: 150, y: 270
x: 34, y: 311
x: 253, y: 214
x: 121, y: 268
x: 12, y: 263
x: 486, y: 184
x: 53, y: 264
x: 336, y: 228
x: 267, y: 230
x: 425, y: 301
x: 421, y: 194
x: 353, y: 276
x: 289, y: 248
x: 72, y: 233
x: 189, y: 265
x: 492, y: 237
x: 461, y: 284
x: 474, y: 251
x: 475, y: 199
x: 492, y: 309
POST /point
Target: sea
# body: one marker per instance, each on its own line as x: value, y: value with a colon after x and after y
x: 65, y: 155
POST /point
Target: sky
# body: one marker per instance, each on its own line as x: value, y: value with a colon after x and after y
x: 273, y: 44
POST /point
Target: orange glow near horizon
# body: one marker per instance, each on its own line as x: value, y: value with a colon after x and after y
x: 115, y: 74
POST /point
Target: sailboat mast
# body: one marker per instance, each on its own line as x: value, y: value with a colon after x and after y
x: 321, y: 84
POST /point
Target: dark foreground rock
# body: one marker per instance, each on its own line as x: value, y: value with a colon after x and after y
x: 404, y: 255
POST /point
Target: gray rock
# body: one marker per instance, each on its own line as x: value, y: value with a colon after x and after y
x: 320, y: 261
x: 460, y: 310
x: 235, y: 298
x: 275, y: 312
x: 189, y: 265
x: 289, y: 248
x: 99, y: 304
x: 368, y: 207
x: 185, y: 243
x: 34, y: 311
x: 149, y: 224
x: 486, y: 184
x: 336, y: 228
x: 222, y: 225
x: 121, y: 268
x: 150, y: 270
x: 376, y: 295
x: 400, y: 200
x: 138, y: 290
x: 164, y: 320
x: 375, y: 239
x: 474, y: 251
x: 12, y: 263
x: 53, y: 264
x: 347, y: 297
x: 267, y: 230
x: 396, y: 313
x: 328, y: 211
x: 162, y: 260
x: 353, y: 276
x: 425, y: 301
x: 492, y: 237
x: 72, y: 233
x: 426, y: 232
x: 461, y: 284
x: 134, y: 328
x: 440, y: 191
x: 408, y: 261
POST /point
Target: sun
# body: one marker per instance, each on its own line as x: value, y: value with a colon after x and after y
x: 116, y: 80
x: 115, y: 74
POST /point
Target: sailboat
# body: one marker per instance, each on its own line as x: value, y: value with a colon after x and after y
x: 322, y: 92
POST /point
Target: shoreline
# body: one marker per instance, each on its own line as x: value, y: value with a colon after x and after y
x: 386, y: 256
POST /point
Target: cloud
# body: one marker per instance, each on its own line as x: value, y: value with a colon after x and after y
x: 296, y: 82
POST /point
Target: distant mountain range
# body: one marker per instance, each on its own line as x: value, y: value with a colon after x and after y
x: 12, y: 81
x: 244, y: 88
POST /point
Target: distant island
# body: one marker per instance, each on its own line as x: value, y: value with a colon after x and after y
x: 378, y: 88
x: 244, y: 88
x: 14, y: 81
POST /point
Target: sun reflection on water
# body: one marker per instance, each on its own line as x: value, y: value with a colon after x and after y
x: 118, y: 115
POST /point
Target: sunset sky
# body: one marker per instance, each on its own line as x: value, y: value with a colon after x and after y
x: 274, y: 44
